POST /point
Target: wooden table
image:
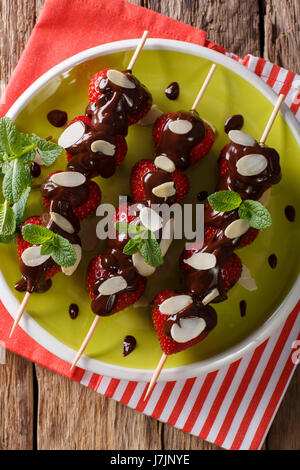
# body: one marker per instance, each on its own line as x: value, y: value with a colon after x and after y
x: 42, y: 410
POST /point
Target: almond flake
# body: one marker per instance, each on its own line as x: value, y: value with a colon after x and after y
x: 241, y: 138
x: 164, y: 163
x: 251, y: 164
x: 236, y: 228
x: 62, y: 222
x: 71, y: 269
x: 113, y: 285
x: 202, y: 261
x: 211, y: 296
x: 175, y: 304
x: 150, y: 219
x: 188, y: 329
x: 72, y: 134
x: 68, y: 179
x: 37, y: 159
x: 246, y: 280
x: 165, y: 190
x: 120, y: 79
x: 180, y: 126
x: 32, y: 256
x: 104, y: 147
x: 143, y: 268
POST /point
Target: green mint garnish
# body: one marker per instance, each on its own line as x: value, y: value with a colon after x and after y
x: 17, y: 152
x: 224, y: 201
x: 143, y: 241
x: 253, y: 212
x: 60, y: 249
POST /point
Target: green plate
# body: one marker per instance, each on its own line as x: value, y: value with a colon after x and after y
x: 228, y: 93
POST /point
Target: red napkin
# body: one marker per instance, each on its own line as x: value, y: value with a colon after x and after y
x: 67, y: 27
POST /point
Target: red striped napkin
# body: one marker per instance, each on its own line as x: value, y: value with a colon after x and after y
x: 234, y: 406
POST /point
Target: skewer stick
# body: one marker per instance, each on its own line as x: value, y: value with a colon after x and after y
x: 138, y: 50
x: 20, y: 312
x: 272, y: 118
x: 204, y: 86
x: 86, y: 341
x: 156, y: 374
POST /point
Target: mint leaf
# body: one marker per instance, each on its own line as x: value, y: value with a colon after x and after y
x: 224, y: 201
x: 16, y: 179
x: 133, y: 246
x: 19, y: 207
x: 124, y: 227
x: 37, y: 234
x: 151, y: 252
x: 7, y: 238
x: 48, y: 246
x: 7, y: 219
x: 10, y: 142
x: 255, y: 214
x: 63, y: 254
x: 48, y: 151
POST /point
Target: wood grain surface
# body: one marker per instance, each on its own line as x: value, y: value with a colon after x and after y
x: 40, y: 409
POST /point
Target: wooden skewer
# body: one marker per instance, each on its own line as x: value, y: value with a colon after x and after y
x: 138, y: 50
x: 204, y: 86
x: 156, y: 374
x: 272, y: 118
x: 20, y: 312
x: 86, y: 341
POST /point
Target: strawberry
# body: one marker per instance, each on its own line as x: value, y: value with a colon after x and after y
x: 158, y: 127
x: 145, y: 166
x: 231, y: 271
x: 121, y: 215
x: 168, y: 345
x: 249, y: 237
x: 85, y: 119
x: 22, y: 245
x: 134, y: 118
x: 94, y: 91
x: 200, y: 150
x: 89, y: 206
x: 124, y: 299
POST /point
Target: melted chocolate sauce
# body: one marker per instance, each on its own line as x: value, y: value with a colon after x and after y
x: 290, y: 213
x: 129, y: 344
x: 57, y: 118
x: 172, y: 91
x: 35, y: 170
x: 234, y: 122
x: 272, y: 260
x: 243, y: 307
x: 73, y: 311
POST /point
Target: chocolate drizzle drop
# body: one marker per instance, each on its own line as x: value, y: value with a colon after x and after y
x: 57, y: 118
x: 272, y: 261
x: 73, y: 311
x: 129, y: 344
x: 243, y: 307
x: 234, y: 122
x: 290, y: 213
x: 172, y: 91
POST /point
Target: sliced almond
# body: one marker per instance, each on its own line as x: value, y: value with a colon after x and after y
x: 246, y: 280
x: 151, y: 116
x: 251, y: 164
x: 104, y: 147
x: 113, y: 285
x: 175, y: 304
x: 211, y: 296
x: 32, y: 256
x: 241, y: 138
x: 165, y: 190
x: 143, y: 268
x: 188, y: 329
x: 167, y: 236
x: 72, y: 134
x: 71, y: 269
x: 37, y: 159
x: 119, y: 79
x: 180, y: 126
x: 265, y: 198
x: 236, y: 228
x: 68, y: 179
x: 164, y: 163
x: 150, y: 219
x: 202, y: 261
x: 62, y: 222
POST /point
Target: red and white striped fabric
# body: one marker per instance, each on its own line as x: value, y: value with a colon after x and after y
x: 232, y: 407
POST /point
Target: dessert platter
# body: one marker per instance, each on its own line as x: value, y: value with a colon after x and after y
x: 124, y: 120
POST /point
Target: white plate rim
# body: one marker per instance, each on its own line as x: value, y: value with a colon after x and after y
x: 45, y: 339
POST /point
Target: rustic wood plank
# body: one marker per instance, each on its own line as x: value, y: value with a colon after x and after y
x: 233, y: 24
x: 71, y: 416
x: 282, y: 33
x: 16, y: 404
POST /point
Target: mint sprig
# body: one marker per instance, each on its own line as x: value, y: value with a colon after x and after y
x: 17, y: 152
x: 253, y: 212
x: 143, y: 241
x: 58, y: 247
